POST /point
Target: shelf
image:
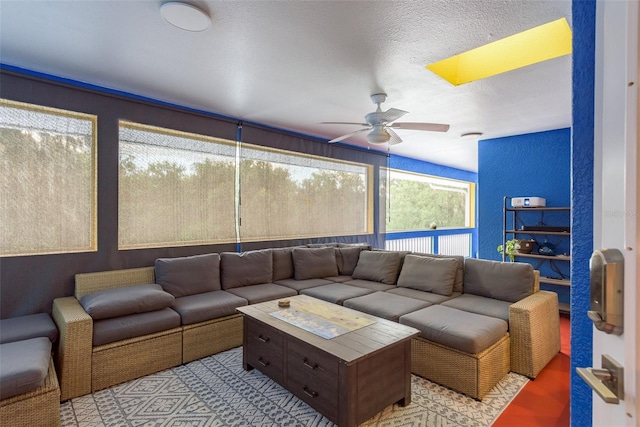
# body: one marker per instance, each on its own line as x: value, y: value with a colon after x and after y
x: 536, y: 209
x: 558, y: 282
x: 551, y: 233
x: 556, y: 257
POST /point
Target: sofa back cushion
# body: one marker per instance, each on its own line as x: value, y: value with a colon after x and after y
x: 378, y: 266
x: 189, y: 275
x: 428, y: 274
x: 459, y: 280
x: 506, y: 281
x: 347, y: 259
x: 282, y: 263
x: 245, y: 268
x: 120, y: 302
x: 314, y: 263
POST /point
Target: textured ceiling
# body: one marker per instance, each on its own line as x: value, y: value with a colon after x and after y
x: 293, y: 64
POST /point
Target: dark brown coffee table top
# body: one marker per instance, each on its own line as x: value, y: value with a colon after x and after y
x: 357, y: 334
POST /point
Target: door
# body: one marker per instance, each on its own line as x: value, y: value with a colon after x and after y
x: 616, y: 218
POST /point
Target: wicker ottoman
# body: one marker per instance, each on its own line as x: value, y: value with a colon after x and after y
x: 464, y: 351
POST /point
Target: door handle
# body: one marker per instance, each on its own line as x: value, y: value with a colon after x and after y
x: 608, y: 382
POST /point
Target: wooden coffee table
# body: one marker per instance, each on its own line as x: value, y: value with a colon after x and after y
x: 345, y: 364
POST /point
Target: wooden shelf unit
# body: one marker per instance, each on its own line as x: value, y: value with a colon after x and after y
x: 512, y: 231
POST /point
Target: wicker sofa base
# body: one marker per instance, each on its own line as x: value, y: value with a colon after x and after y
x: 470, y: 374
x: 203, y: 339
x: 37, y: 408
x: 126, y: 360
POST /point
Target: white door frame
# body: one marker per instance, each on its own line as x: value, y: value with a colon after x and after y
x: 616, y: 194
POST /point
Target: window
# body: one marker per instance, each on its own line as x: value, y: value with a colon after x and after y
x: 414, y: 201
x: 287, y: 195
x: 175, y: 188
x: 48, y: 180
x: 178, y: 189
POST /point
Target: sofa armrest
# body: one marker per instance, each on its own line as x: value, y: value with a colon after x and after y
x: 534, y: 327
x: 74, y: 350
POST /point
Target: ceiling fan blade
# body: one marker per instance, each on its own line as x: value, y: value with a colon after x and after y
x: 395, y: 139
x: 340, y: 138
x: 344, y: 123
x: 433, y: 127
x: 392, y: 114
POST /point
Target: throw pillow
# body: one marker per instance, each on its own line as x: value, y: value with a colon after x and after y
x: 110, y: 303
x: 189, y: 275
x: 506, y: 281
x: 378, y: 266
x: 314, y: 263
x: 427, y: 274
x: 347, y: 259
x: 245, y: 268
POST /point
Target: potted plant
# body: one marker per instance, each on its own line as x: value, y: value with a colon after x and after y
x: 512, y: 247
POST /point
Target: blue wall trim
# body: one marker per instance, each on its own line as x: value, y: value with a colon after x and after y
x: 582, y: 163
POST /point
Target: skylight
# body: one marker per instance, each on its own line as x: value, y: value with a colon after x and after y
x: 547, y: 41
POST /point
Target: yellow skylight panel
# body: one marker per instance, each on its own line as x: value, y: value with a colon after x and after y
x: 538, y: 44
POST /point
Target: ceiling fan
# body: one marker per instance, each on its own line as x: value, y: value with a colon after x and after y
x: 380, y: 124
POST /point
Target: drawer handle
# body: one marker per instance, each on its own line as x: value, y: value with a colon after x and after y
x: 309, y: 392
x: 262, y: 362
x: 263, y: 339
x: 309, y: 365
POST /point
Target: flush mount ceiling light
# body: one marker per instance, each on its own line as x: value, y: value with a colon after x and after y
x: 538, y: 44
x: 185, y: 16
x: 471, y: 135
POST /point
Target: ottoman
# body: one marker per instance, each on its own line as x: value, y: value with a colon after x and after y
x: 464, y: 351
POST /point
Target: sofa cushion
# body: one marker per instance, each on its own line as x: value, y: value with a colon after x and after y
x: 314, y: 263
x: 347, y: 259
x: 29, y: 326
x: 480, y: 305
x: 428, y: 274
x: 336, y: 293
x: 378, y: 266
x: 106, y: 331
x: 282, y: 263
x: 262, y: 292
x: 467, y: 332
x: 506, y: 281
x: 207, y: 306
x: 299, y: 285
x: 189, y: 275
x: 245, y: 268
x: 339, y: 279
x: 385, y: 305
x: 369, y: 284
x: 421, y: 295
x: 459, y: 280
x: 23, y: 365
x: 124, y: 301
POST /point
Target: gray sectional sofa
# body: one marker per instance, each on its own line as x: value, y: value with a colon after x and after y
x: 478, y: 319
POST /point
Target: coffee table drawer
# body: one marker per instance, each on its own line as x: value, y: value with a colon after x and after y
x: 266, y: 362
x: 261, y: 337
x: 312, y: 375
x: 320, y: 393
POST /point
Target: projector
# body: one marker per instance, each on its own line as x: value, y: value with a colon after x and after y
x: 528, y: 202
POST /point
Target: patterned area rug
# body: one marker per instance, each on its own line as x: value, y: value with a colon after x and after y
x: 216, y: 391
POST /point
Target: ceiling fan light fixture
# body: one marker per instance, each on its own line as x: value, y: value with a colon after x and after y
x: 185, y: 16
x: 378, y: 135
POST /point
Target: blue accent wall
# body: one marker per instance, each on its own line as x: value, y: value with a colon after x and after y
x: 582, y: 157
